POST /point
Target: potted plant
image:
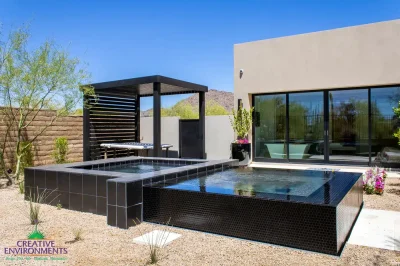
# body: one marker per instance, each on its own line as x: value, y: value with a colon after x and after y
x: 241, y: 123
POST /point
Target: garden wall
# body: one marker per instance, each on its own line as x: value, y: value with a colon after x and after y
x: 69, y: 127
x: 219, y: 135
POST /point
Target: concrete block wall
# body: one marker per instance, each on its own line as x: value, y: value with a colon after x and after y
x: 69, y: 127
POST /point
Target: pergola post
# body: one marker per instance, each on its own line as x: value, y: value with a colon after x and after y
x: 157, y: 119
x: 202, y: 124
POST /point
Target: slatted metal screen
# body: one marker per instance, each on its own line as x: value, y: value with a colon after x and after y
x: 112, y: 119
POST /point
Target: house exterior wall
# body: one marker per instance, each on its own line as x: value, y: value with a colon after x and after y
x: 366, y: 55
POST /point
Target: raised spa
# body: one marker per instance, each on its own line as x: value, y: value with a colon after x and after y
x: 312, y: 210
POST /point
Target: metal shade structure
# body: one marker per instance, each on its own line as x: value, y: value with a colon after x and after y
x: 115, y: 113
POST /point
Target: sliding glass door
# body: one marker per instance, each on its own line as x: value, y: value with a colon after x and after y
x: 332, y: 126
x: 348, y: 126
x: 270, y: 127
x: 385, y: 149
x: 306, y: 126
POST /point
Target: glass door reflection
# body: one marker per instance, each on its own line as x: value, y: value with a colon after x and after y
x: 348, y: 126
x: 306, y: 126
x: 270, y: 126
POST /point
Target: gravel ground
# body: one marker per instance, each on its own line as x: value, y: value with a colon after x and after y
x: 104, y: 245
x: 390, y: 200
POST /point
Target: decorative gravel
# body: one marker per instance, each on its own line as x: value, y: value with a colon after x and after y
x: 104, y: 245
x: 390, y: 200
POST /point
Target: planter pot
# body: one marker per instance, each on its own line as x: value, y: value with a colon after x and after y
x: 241, y: 152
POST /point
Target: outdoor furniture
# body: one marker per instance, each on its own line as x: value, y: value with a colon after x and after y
x: 133, y: 146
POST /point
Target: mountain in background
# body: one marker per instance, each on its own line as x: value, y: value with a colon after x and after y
x: 223, y: 98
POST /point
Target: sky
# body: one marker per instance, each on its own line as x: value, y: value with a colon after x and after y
x: 188, y: 40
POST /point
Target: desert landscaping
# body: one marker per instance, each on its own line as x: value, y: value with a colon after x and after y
x: 106, y: 245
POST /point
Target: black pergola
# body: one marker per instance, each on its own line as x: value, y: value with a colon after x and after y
x: 114, y: 116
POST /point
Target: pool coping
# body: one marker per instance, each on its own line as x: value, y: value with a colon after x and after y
x: 126, y: 177
x: 117, y: 195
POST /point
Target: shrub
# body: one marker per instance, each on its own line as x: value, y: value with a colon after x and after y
x: 397, y: 113
x: 21, y: 187
x: 34, y: 202
x: 374, y: 181
x: 59, y: 206
x: 60, y: 150
x: 27, y: 158
x: 78, y: 232
x: 241, y: 123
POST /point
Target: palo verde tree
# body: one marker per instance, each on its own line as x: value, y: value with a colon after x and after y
x: 33, y: 80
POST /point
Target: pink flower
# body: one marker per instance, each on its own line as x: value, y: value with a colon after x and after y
x: 242, y: 141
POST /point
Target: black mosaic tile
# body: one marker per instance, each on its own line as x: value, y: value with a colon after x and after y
x: 75, y: 201
x: 84, y: 192
x: 121, y: 195
x: 147, y: 181
x: 40, y: 178
x: 266, y: 221
x: 218, y: 167
x: 63, y: 181
x: 101, y: 205
x: 75, y: 182
x: 51, y: 197
x: 157, y: 179
x: 210, y: 168
x: 89, y: 184
x: 51, y: 180
x: 89, y: 204
x: 169, y: 177
x: 111, y: 215
x: 210, y: 172
x: 63, y: 199
x: 315, y: 223
x: 202, y: 169
x: 134, y: 215
x: 102, y: 186
x: 347, y: 212
x: 29, y: 177
x: 182, y: 174
x: 112, y: 193
x: 122, y: 217
x: 134, y: 193
x: 192, y: 171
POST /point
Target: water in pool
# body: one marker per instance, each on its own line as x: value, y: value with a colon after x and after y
x: 139, y: 168
x: 255, y: 182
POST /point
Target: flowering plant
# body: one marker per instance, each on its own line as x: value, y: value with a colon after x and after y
x: 374, y: 180
x: 242, y: 141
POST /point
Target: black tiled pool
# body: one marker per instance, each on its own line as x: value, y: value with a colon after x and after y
x: 305, y: 209
x: 258, y: 183
x: 139, y: 168
x: 312, y: 210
